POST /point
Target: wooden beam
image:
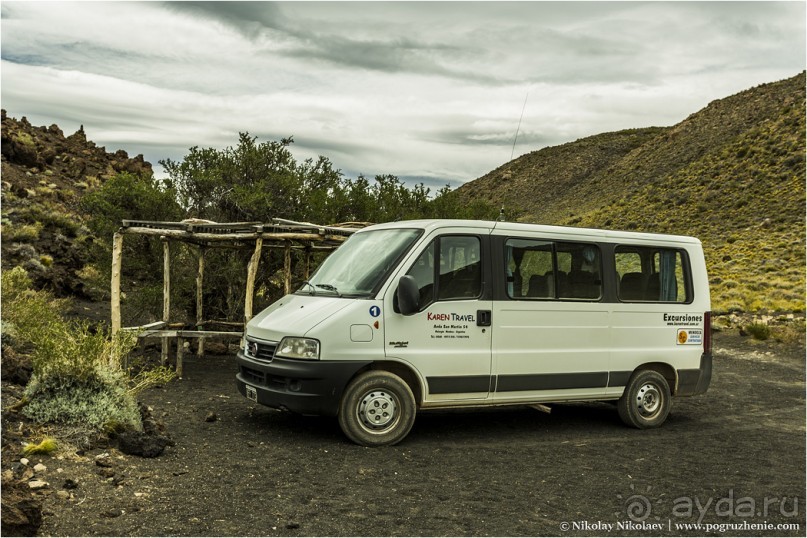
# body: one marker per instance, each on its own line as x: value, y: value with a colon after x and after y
x: 252, y: 272
x: 225, y: 323
x: 182, y: 235
x: 205, y: 236
x: 147, y: 326
x: 304, y: 237
x: 117, y: 255
x: 200, y: 276
x: 174, y: 333
x: 166, y: 298
x: 244, y: 246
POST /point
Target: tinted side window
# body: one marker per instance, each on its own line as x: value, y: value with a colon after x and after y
x: 552, y: 270
x: 423, y: 272
x: 460, y: 268
x: 457, y: 275
x: 651, y: 274
x: 529, y: 269
x: 579, y: 265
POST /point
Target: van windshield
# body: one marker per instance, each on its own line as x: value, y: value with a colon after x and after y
x: 361, y: 263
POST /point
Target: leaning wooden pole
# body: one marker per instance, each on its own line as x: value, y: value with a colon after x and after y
x: 166, y: 298
x: 200, y: 277
x: 117, y: 255
x: 252, y: 273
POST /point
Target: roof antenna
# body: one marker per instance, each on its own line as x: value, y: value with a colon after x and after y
x: 519, y: 125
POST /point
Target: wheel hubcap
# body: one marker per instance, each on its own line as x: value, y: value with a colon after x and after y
x: 649, y: 400
x: 377, y: 410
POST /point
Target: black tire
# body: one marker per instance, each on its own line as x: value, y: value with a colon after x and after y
x: 646, y: 400
x: 377, y: 409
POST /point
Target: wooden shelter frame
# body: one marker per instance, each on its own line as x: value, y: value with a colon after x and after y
x: 279, y: 234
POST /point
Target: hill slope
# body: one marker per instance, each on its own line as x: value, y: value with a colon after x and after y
x: 732, y: 174
x: 45, y: 174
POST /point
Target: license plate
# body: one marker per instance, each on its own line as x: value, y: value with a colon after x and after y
x: 252, y: 393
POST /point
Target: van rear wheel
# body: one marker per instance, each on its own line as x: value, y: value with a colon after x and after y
x: 646, y: 400
x: 377, y: 409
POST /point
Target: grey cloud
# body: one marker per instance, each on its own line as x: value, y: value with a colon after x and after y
x: 249, y: 17
x: 476, y: 137
x: 434, y: 183
x: 398, y: 56
x: 329, y: 147
x: 307, y: 39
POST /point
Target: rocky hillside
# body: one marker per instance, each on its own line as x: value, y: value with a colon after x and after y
x: 732, y: 174
x: 44, y: 175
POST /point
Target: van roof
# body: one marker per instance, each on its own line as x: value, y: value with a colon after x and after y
x: 518, y: 227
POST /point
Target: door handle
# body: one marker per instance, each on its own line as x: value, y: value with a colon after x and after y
x: 483, y: 318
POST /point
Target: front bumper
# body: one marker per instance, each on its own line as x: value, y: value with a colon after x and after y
x: 695, y: 381
x: 310, y: 387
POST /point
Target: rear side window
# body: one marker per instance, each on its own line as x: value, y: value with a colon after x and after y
x: 651, y: 274
x: 552, y: 270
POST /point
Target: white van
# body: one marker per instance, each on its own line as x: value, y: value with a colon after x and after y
x: 447, y: 313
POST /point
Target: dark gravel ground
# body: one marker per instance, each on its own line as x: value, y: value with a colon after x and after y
x: 735, y: 455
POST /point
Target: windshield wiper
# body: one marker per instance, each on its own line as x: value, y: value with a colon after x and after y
x: 313, y: 288
x: 328, y: 287
x: 310, y: 285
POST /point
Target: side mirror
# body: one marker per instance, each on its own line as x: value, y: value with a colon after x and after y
x: 408, y: 295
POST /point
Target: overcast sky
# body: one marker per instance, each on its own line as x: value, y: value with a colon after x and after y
x: 425, y: 91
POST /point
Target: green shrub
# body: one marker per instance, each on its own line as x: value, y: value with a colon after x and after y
x: 759, y: 331
x: 46, y: 446
x: 95, y: 400
x: 77, y: 373
x: 22, y: 232
x: 96, y: 284
x: 53, y: 216
x: 790, y: 333
x: 24, y: 139
x: 27, y: 314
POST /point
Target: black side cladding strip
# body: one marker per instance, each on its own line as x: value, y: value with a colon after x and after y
x: 619, y: 379
x: 459, y: 384
x: 583, y: 380
x: 515, y: 383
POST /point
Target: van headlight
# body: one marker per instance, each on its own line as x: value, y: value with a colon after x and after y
x: 292, y: 347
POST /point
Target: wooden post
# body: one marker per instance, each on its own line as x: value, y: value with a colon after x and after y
x: 308, y: 255
x: 287, y: 268
x: 252, y: 272
x: 166, y: 298
x: 200, y: 275
x: 180, y: 354
x: 117, y: 255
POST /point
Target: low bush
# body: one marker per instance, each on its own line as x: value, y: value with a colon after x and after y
x: 77, y: 373
x: 22, y: 232
x: 789, y: 333
x: 46, y: 446
x: 758, y: 331
x: 98, y: 401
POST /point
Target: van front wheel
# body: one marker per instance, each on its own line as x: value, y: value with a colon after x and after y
x: 646, y: 400
x: 377, y: 409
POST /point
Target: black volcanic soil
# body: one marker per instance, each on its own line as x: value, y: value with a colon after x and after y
x: 238, y: 469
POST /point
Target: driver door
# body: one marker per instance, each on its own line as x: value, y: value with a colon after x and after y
x: 449, y: 339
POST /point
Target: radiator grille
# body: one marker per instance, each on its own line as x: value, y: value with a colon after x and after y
x: 261, y: 351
